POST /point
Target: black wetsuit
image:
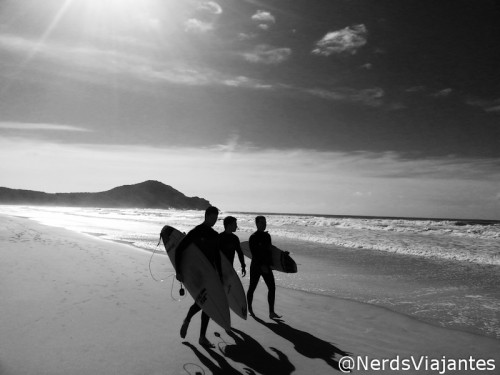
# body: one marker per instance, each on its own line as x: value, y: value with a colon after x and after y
x: 260, y: 246
x: 206, y: 239
x: 229, y: 245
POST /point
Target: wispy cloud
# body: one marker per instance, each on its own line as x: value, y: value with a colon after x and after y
x: 263, y: 16
x: 211, y: 7
x: 391, y: 165
x: 246, y: 82
x: 246, y: 36
x: 266, y: 54
x: 327, y: 178
x: 207, y: 14
x: 442, y: 93
x: 371, y: 97
x: 488, y: 105
x: 197, y: 26
x: 347, y: 40
x: 97, y: 65
x: 43, y: 127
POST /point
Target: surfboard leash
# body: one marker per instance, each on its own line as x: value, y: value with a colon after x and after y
x: 181, y: 290
x: 198, y: 371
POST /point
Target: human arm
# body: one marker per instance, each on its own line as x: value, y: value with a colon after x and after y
x: 241, y: 257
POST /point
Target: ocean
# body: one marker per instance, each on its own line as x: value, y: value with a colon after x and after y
x: 442, y: 271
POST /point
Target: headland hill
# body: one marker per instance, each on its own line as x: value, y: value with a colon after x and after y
x: 147, y: 194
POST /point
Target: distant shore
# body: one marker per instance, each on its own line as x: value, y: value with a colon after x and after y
x: 76, y: 304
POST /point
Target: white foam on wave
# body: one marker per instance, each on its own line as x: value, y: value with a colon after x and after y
x: 425, y: 238
x: 444, y: 239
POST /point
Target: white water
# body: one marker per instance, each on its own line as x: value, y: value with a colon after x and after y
x: 445, y: 239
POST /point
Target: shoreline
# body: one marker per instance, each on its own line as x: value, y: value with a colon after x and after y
x: 402, y: 283
x: 354, y: 294
x: 245, y: 282
x: 76, y: 304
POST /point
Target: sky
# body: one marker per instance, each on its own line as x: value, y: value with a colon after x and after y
x: 341, y: 107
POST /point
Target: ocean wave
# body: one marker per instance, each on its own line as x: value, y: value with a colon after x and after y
x: 467, y: 241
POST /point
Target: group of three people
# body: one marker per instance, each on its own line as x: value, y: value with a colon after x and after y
x: 212, y: 244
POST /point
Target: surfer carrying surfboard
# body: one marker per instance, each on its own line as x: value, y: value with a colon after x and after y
x: 260, y: 246
x: 206, y: 239
x: 229, y: 243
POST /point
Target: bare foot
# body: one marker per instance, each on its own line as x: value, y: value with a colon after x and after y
x: 273, y: 315
x: 203, y: 341
x: 184, y: 328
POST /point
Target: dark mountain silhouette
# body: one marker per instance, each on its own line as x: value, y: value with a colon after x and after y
x: 148, y: 194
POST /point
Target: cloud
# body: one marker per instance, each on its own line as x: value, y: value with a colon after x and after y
x: 263, y: 16
x: 242, y: 81
x: 416, y: 89
x: 347, y: 40
x: 100, y: 66
x: 207, y: 14
x: 442, y: 93
x: 246, y: 36
x: 486, y: 104
x: 211, y: 7
x: 360, y: 183
x: 194, y: 25
x: 391, y: 165
x: 372, y: 97
x: 266, y: 54
x: 38, y: 126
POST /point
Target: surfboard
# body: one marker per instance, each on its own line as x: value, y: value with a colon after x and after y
x: 280, y: 260
x: 200, y: 278
x: 234, y: 289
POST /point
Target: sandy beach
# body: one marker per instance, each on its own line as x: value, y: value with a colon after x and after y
x: 77, y: 304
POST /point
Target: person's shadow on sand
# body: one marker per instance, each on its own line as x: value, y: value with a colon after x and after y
x: 248, y: 351
x: 223, y: 366
x: 306, y: 344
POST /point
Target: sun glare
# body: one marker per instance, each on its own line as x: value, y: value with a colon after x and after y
x: 103, y: 16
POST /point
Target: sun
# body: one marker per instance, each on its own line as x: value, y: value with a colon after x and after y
x: 118, y: 16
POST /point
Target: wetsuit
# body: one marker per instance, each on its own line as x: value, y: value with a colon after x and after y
x: 260, y: 246
x: 229, y: 245
x: 206, y: 239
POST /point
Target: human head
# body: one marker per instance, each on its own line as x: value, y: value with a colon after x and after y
x: 211, y: 215
x: 260, y: 222
x: 229, y: 220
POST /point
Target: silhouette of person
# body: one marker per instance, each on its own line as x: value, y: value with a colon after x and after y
x: 260, y: 247
x: 206, y: 239
x: 229, y: 243
x: 305, y: 343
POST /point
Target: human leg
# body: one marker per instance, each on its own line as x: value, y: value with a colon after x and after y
x: 271, y: 294
x: 192, y: 311
x: 203, y: 331
x: 254, y: 281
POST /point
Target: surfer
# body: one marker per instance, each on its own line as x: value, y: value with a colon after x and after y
x: 206, y: 239
x: 229, y: 243
x: 260, y: 246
